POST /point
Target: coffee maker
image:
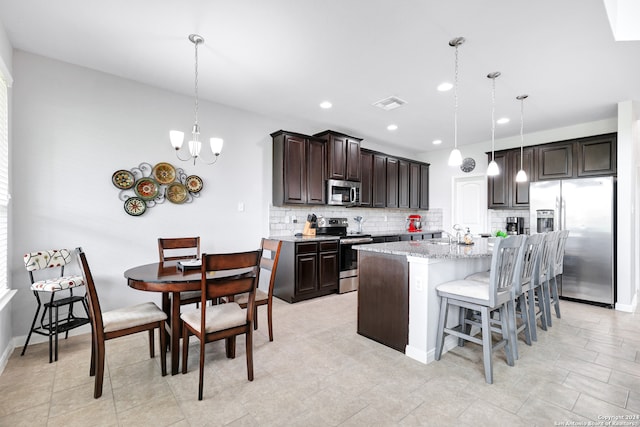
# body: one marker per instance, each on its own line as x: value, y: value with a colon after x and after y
x: 414, y: 223
x: 515, y: 225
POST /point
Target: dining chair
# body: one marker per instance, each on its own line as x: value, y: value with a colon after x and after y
x: 523, y: 282
x: 555, y: 269
x: 538, y: 294
x: 53, y: 286
x: 484, y: 298
x: 118, y: 323
x: 176, y: 249
x: 223, y: 275
x: 268, y: 262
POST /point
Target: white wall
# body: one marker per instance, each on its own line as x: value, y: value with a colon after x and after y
x: 74, y: 127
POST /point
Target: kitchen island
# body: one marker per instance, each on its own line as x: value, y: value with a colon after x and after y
x: 397, y: 301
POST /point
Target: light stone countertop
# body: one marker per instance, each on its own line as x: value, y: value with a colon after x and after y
x: 432, y: 248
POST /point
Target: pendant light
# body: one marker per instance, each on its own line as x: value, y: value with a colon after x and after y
x: 195, y: 145
x: 455, y: 158
x: 493, y: 169
x: 522, y: 175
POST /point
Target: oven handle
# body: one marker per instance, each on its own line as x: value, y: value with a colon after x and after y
x: 356, y: 241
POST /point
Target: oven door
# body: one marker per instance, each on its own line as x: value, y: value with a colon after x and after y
x: 349, y: 263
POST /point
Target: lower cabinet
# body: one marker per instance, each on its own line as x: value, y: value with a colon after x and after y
x: 307, y: 270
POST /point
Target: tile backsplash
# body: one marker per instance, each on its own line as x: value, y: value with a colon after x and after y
x: 288, y: 220
x: 498, y: 219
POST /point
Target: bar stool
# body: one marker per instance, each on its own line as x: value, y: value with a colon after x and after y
x: 555, y: 269
x: 538, y: 294
x: 54, y: 287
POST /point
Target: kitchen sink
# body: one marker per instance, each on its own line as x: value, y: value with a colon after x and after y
x: 436, y: 242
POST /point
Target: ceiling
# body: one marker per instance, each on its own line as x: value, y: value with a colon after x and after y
x: 281, y: 58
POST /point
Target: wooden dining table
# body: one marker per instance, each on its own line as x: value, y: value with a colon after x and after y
x: 170, y: 280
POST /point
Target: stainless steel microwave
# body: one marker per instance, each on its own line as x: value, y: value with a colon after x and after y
x: 343, y: 193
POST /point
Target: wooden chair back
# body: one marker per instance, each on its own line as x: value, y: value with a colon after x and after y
x: 545, y: 258
x: 533, y: 245
x: 506, y: 262
x: 558, y: 256
x: 95, y: 312
x: 270, y: 262
x: 172, y: 249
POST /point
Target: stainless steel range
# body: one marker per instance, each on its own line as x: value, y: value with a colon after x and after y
x: 348, y: 255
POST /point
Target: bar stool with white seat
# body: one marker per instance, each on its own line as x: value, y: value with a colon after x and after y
x: 484, y: 298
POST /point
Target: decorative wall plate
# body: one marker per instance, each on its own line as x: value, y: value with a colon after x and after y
x: 468, y: 165
x: 135, y: 206
x: 194, y: 183
x: 176, y: 193
x: 164, y: 173
x: 146, y: 188
x: 123, y: 179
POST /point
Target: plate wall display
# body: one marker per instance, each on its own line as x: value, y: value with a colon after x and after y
x: 123, y: 179
x: 164, y: 173
x: 135, y: 206
x: 177, y: 193
x: 146, y: 188
x: 194, y: 183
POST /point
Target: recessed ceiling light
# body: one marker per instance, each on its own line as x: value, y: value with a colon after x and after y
x: 437, y: 142
x: 502, y: 120
x: 326, y: 105
x: 443, y: 87
x: 392, y: 127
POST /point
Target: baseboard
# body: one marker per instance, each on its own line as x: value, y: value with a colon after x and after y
x: 629, y: 308
x: 429, y: 356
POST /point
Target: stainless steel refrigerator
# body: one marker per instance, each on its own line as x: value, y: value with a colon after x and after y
x: 587, y: 208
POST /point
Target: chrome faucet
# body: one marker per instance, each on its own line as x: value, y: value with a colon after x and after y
x: 458, y: 229
x: 451, y: 236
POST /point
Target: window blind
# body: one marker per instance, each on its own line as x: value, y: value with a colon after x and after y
x: 4, y: 182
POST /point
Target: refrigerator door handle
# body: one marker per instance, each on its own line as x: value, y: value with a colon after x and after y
x: 558, y: 213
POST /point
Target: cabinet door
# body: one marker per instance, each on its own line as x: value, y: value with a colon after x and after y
x: 498, y: 189
x: 295, y: 177
x: 366, y: 182
x: 353, y: 167
x: 555, y: 161
x: 414, y: 185
x: 597, y: 156
x: 520, y: 193
x: 424, y: 186
x: 329, y: 273
x: 379, y: 195
x: 315, y: 172
x: 403, y: 184
x: 306, y: 273
x: 337, y: 160
x: 392, y: 182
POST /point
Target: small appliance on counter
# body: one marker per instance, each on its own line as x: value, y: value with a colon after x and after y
x: 414, y: 223
x: 515, y: 225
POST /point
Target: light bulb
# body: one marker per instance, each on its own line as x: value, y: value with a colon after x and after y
x: 194, y: 148
x: 176, y: 137
x: 493, y: 169
x: 216, y: 145
x: 521, y: 176
x: 455, y: 158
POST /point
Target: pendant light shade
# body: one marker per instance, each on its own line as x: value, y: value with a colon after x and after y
x: 493, y: 169
x: 455, y: 158
x: 521, y: 176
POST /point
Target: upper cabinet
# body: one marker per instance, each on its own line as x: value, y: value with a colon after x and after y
x: 298, y: 169
x: 366, y: 182
x: 343, y: 156
x: 576, y: 158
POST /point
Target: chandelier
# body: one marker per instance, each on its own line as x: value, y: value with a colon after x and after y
x: 195, y: 145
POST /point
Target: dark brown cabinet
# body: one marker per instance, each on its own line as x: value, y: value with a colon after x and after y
x: 298, y: 169
x: 597, y: 156
x: 555, y: 161
x: 392, y: 182
x: 498, y: 190
x: 379, y: 188
x: 404, y: 190
x: 343, y: 156
x: 414, y: 185
x: 504, y: 192
x: 307, y: 270
x: 424, y: 186
x: 366, y: 181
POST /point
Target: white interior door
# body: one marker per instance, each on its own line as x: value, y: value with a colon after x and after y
x: 470, y: 203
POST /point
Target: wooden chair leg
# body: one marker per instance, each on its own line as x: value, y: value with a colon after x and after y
x: 163, y: 348
x: 554, y: 295
x: 533, y: 322
x: 94, y: 353
x: 97, y: 392
x: 510, y: 322
x: 185, y: 347
x: 152, y: 344
x: 506, y: 334
x: 487, y: 345
x: 270, y: 321
x: 201, y: 379
x: 231, y: 347
x: 255, y: 318
x: 249, y: 344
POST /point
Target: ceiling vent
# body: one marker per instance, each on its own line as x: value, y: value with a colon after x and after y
x: 390, y: 103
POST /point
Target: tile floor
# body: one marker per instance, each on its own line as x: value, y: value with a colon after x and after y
x: 319, y: 372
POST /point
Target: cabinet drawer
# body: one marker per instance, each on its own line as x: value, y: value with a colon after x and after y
x: 307, y: 248
x: 329, y: 246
